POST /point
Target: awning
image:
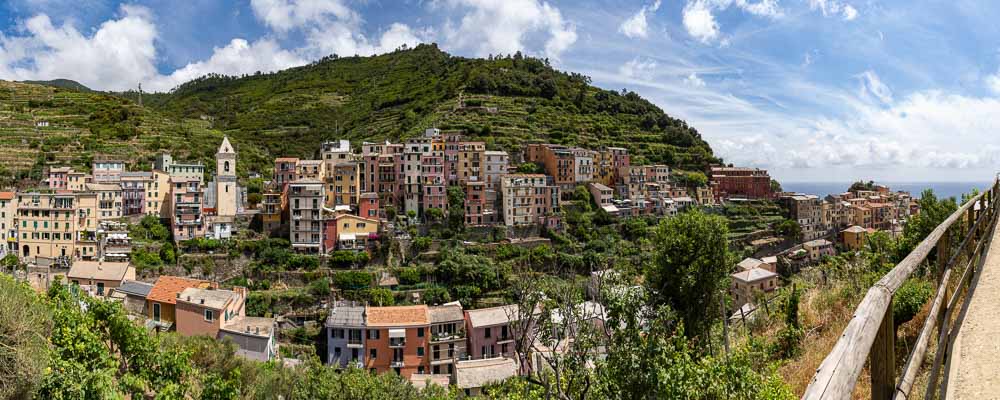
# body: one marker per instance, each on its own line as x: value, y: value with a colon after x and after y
x: 347, y: 236
x: 397, y: 333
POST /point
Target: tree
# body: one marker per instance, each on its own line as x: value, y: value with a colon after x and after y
x: 790, y: 229
x: 689, y: 267
x: 433, y: 215
x: 25, y: 324
x: 529, y: 168
x: 10, y: 262
x: 776, y: 186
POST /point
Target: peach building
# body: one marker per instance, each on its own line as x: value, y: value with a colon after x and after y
x: 204, y: 311
x: 397, y: 339
x: 162, y: 298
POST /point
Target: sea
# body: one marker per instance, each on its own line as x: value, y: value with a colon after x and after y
x: 941, y: 189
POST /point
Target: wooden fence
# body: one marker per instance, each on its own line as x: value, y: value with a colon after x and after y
x: 961, y: 240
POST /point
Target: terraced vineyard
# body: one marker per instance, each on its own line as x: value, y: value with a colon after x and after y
x: 43, y: 125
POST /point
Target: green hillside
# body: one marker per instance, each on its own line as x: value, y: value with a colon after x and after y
x: 63, y: 83
x: 506, y: 101
x: 83, y: 125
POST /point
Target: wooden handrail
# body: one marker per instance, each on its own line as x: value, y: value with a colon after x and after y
x: 872, y: 321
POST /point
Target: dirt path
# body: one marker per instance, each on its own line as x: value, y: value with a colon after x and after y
x: 975, y: 367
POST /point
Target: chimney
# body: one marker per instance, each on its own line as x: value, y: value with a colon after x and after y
x: 256, y: 330
x: 201, y: 301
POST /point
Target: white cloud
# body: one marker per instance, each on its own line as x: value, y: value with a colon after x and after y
x: 237, y: 58
x: 331, y: 27
x: 637, y: 26
x: 118, y: 55
x: 508, y: 26
x: 694, y: 80
x: 872, y: 85
x: 286, y: 15
x: 700, y: 23
x: 834, y: 8
x: 993, y: 82
x: 638, y: 68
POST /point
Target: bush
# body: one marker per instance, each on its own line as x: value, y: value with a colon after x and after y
x: 320, y: 287
x: 909, y: 299
x: 352, y: 280
x: 409, y: 276
x: 421, y: 244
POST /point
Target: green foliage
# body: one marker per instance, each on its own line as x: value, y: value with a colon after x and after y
x: 25, y: 323
x: 346, y: 258
x: 380, y: 297
x: 909, y: 299
x: 320, y: 287
x: 352, y: 280
x: 409, y: 276
x: 469, y: 275
x: 691, y: 179
x: 790, y: 229
x: 150, y: 228
x: 690, y: 266
x: 776, y: 186
x: 933, y: 212
x: 421, y: 243
x: 10, y: 262
x: 145, y: 260
x: 529, y: 168
x: 436, y: 295
x: 861, y: 185
x: 201, y: 244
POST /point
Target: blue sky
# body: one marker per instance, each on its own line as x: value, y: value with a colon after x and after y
x: 813, y: 90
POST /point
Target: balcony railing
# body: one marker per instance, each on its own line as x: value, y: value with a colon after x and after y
x: 397, y: 364
x: 397, y: 342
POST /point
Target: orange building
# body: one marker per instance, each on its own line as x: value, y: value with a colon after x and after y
x: 162, y: 299
x: 397, y: 339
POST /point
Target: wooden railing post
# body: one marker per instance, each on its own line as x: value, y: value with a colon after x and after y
x: 883, y: 359
x: 943, y: 251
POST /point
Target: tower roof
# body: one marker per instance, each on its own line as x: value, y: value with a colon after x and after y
x: 226, y: 147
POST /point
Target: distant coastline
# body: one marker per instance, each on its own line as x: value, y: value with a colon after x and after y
x: 941, y: 189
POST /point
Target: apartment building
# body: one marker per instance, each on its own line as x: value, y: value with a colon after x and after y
x: 187, y: 220
x: 497, y: 165
x: 583, y: 162
x: 58, y: 178
x: 99, y: 277
x: 57, y: 225
x: 158, y: 194
x: 475, y: 204
x: 397, y: 339
x: 819, y: 248
x: 745, y: 284
x: 8, y: 229
x: 807, y: 210
x: 162, y: 298
x: 343, y: 231
x: 108, y: 171
x: 335, y: 152
x: 164, y: 162
x: 527, y: 198
x: 471, y: 162
x: 558, y: 161
x: 433, y: 184
x: 491, y: 331
x: 602, y: 195
x: 345, y: 327
x: 632, y: 182
x: 344, y: 185
x: 750, y: 183
x: 272, y: 210
x: 447, y: 342
x: 370, y: 207
x: 310, y: 169
x: 134, y: 188
x: 203, y: 311
x: 78, y: 181
x: 285, y: 170
x: 109, y: 199
x: 305, y: 198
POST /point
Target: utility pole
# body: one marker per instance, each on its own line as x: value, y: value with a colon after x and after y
x: 140, y: 94
x: 725, y: 324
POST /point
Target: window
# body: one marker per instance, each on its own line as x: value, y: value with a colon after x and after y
x: 209, y: 315
x: 372, y: 353
x: 373, y: 334
x: 336, y: 353
x: 420, y: 333
x: 420, y: 351
x: 488, y: 332
x: 156, y: 312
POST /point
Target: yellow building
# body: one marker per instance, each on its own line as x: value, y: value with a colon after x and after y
x: 227, y: 188
x: 471, y: 160
x: 854, y: 237
x: 157, y: 192
x: 109, y: 199
x: 348, y: 232
x: 343, y: 185
x: 55, y: 225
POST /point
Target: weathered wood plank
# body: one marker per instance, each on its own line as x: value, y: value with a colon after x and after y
x: 883, y: 358
x: 916, y: 358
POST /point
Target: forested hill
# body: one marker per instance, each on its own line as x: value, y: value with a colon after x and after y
x: 505, y: 101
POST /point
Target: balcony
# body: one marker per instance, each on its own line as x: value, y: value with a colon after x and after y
x: 354, y: 343
x: 397, y: 342
x: 397, y: 364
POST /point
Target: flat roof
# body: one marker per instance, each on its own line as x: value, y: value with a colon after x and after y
x: 97, y: 270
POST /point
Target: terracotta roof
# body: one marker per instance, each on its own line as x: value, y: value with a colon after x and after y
x: 397, y: 316
x: 6, y: 195
x: 286, y: 159
x: 166, y: 288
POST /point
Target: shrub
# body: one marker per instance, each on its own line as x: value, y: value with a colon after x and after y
x: 352, y: 280
x: 909, y: 299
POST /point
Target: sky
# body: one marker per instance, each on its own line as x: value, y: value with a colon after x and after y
x: 812, y: 90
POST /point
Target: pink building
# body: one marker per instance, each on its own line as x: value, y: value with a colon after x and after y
x: 433, y: 183
x: 59, y: 178
x: 491, y: 331
x: 187, y: 220
x: 369, y: 206
x: 205, y: 311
